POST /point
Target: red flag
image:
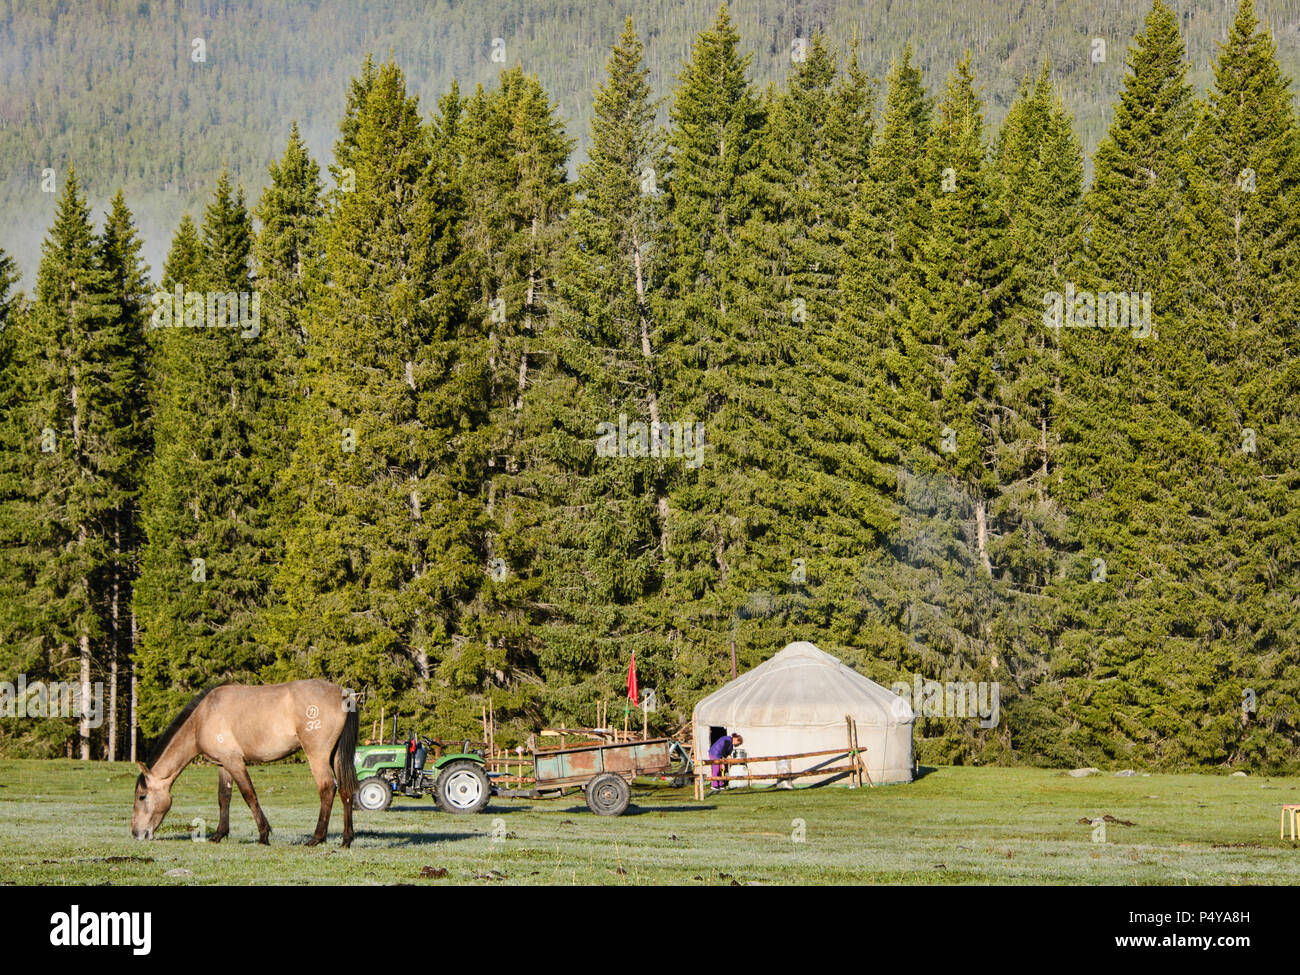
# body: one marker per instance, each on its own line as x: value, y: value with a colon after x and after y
x: 631, y: 679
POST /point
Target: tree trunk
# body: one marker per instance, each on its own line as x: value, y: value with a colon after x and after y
x: 981, y: 535
x: 112, y: 707
x: 83, y: 727
x: 1043, y: 447
x: 114, y: 637
x: 134, y: 725
x: 661, y: 499
x: 491, y: 398
x: 528, y: 325
x: 421, y: 670
x: 83, y: 642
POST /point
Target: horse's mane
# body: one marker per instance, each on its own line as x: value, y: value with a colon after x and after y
x: 166, y: 737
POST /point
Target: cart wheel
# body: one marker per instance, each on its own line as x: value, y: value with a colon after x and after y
x: 462, y: 787
x: 374, y: 794
x: 607, y: 795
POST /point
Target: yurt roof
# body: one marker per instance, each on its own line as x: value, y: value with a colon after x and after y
x: 801, y: 685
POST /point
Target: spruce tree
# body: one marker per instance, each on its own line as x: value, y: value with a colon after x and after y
x: 380, y: 559
x: 872, y: 353
x: 13, y: 454
x: 511, y: 161
x: 287, y: 259
x: 959, y: 294
x: 713, y: 360
x: 610, y: 517
x: 185, y: 257
x: 829, y: 495
x: 507, y: 154
x: 120, y: 259
x: 288, y: 214
x: 206, y: 566
x: 75, y: 383
x: 887, y: 217
x: 879, y: 255
x: 1041, y: 165
x: 1120, y: 656
x: 8, y: 278
x: 1232, y: 386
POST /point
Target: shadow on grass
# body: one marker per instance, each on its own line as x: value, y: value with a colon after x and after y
x: 580, y: 808
x: 413, y: 837
x: 565, y: 804
x: 331, y: 842
x: 383, y: 838
x: 430, y: 809
x: 834, y: 782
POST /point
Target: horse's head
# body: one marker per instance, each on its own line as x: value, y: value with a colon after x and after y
x: 153, y: 797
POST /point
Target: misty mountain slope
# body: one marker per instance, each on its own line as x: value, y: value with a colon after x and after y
x: 116, y: 88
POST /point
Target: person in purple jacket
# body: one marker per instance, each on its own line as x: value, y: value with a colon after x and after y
x: 722, y: 748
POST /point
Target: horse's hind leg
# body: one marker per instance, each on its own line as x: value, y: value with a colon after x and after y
x: 240, y: 774
x: 320, y: 770
x: 224, y: 783
x: 346, y: 795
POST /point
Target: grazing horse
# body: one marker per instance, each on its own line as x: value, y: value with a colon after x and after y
x: 235, y: 724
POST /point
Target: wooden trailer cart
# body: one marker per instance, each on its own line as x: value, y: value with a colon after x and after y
x: 603, y: 771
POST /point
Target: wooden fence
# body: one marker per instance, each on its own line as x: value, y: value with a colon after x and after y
x: 855, y: 769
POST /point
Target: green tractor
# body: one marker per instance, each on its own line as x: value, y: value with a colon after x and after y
x: 456, y: 778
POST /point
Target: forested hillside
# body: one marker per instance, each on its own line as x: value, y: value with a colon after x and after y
x: 113, y: 87
x: 451, y: 412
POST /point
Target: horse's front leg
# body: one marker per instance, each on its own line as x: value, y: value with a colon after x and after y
x: 240, y: 774
x: 224, y: 782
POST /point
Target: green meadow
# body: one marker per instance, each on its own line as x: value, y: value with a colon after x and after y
x: 66, y: 822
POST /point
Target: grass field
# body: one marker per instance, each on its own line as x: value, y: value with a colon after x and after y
x: 66, y: 823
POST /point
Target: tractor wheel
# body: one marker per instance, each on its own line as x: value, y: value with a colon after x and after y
x: 374, y: 794
x: 607, y: 795
x: 462, y: 787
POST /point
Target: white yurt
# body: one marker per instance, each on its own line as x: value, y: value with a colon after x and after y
x: 797, y: 702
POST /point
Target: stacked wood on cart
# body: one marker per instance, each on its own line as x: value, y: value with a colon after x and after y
x: 603, y: 771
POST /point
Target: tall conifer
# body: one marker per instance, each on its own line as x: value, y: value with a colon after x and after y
x: 205, y: 567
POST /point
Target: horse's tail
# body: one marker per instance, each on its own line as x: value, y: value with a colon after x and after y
x: 345, y: 750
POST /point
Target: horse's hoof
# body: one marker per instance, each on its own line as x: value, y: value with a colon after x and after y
x: 264, y: 841
x: 217, y: 837
x: 314, y: 840
x: 346, y: 843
